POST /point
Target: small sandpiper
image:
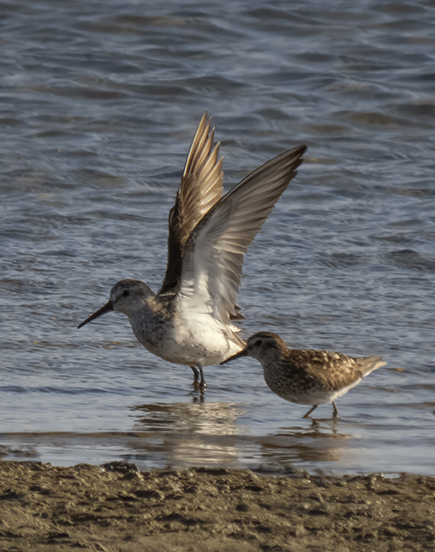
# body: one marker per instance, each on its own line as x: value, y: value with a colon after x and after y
x: 305, y: 376
x: 189, y: 321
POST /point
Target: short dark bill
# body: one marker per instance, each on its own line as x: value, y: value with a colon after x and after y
x: 242, y: 353
x: 105, y: 308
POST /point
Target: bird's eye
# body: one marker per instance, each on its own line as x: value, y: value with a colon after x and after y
x: 126, y: 293
x: 257, y: 343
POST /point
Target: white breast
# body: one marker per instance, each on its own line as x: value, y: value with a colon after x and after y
x: 189, y: 340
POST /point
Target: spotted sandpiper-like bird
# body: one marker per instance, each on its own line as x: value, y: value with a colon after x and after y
x: 190, y: 320
x: 306, y: 376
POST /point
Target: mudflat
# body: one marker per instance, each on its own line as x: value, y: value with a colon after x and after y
x: 116, y: 507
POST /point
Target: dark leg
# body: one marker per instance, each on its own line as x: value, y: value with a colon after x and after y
x: 335, y: 412
x: 307, y: 415
x: 198, y: 377
x: 195, y: 375
x: 202, y: 384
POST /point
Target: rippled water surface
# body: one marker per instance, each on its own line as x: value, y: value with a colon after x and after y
x: 99, y: 103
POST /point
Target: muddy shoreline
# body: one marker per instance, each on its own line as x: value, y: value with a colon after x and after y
x: 115, y: 507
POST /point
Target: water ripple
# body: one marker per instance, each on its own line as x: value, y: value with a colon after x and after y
x: 99, y: 104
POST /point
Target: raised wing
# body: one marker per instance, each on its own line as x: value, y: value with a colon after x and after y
x: 213, y: 255
x: 200, y: 188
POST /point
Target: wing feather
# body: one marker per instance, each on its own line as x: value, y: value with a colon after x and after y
x: 214, y: 253
x: 200, y: 188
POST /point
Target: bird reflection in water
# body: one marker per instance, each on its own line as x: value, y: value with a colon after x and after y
x: 303, y: 448
x: 190, y: 434
x: 182, y: 435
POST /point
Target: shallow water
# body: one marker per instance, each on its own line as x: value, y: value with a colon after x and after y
x: 99, y: 102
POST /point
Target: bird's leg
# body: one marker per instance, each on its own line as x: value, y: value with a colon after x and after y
x: 202, y: 384
x: 335, y: 411
x: 307, y: 415
x: 195, y: 375
x: 198, y: 377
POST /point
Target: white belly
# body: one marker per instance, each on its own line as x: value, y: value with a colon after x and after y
x: 315, y: 396
x: 202, y: 341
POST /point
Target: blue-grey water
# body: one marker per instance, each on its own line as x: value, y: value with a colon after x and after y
x: 99, y: 102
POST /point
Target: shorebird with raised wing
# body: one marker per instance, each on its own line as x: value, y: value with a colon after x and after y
x: 190, y: 320
x: 306, y: 376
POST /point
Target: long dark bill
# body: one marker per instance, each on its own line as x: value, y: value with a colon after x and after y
x: 242, y: 353
x: 105, y: 308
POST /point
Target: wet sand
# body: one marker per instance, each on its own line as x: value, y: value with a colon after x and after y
x: 115, y: 507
